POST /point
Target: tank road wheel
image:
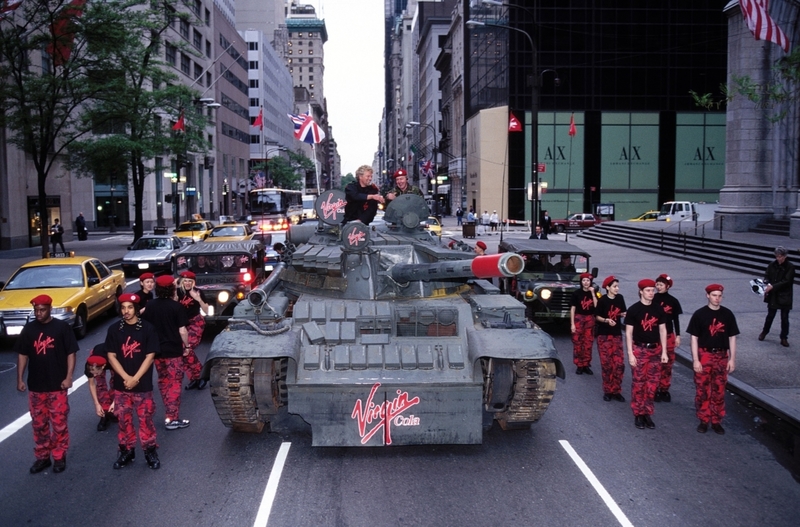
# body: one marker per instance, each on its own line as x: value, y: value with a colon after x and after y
x: 530, y: 393
x: 233, y: 393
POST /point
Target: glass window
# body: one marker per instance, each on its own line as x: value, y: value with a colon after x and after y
x: 184, y: 28
x: 253, y: 64
x: 170, y: 51
x: 185, y: 64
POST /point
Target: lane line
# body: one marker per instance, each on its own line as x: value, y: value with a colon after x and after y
x: 598, y: 487
x: 17, y: 424
x: 272, y: 486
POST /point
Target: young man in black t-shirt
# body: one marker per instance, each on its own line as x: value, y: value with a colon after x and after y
x: 147, y: 285
x: 713, y: 329
x: 672, y: 309
x: 581, y: 317
x: 646, y: 336
x: 609, y: 313
x: 47, y: 347
x: 132, y: 346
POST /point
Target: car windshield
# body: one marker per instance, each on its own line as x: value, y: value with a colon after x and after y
x: 187, y: 227
x: 46, y: 277
x: 152, y: 244
x: 214, y: 263
x: 555, y: 266
x: 227, y: 231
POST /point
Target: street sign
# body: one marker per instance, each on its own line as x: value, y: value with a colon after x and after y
x: 541, y: 168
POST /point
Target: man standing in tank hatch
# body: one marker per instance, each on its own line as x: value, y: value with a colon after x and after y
x: 401, y: 186
x: 362, y: 197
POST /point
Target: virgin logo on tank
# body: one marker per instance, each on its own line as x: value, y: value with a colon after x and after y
x: 382, y: 416
x: 356, y: 237
x: 332, y: 207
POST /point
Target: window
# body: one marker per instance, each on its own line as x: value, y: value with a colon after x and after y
x: 170, y: 53
x: 310, y: 43
x: 254, y: 101
x: 290, y: 61
x: 198, y: 72
x: 290, y: 43
x: 301, y: 78
x: 210, y: 140
x: 253, y: 64
x: 255, y: 139
x: 208, y: 49
x: 291, y: 70
x: 311, y: 86
x: 169, y: 15
x: 185, y: 64
x: 310, y: 51
x: 300, y: 35
x: 291, y: 52
x: 254, y: 83
x: 208, y: 17
x: 311, y: 69
x: 196, y: 7
x: 252, y: 46
x: 208, y: 78
x: 197, y: 39
x: 184, y: 29
x: 299, y: 52
x: 301, y: 69
x: 311, y: 77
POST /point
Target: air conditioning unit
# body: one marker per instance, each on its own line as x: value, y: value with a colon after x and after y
x: 209, y: 161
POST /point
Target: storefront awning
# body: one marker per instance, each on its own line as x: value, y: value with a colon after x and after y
x: 443, y: 189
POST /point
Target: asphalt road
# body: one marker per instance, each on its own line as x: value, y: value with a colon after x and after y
x: 213, y: 476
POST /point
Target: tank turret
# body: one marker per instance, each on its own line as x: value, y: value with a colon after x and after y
x: 377, y: 335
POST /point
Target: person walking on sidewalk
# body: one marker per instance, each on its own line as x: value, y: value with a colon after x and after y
x: 779, y: 293
x: 459, y: 216
x: 581, y: 321
x: 713, y: 329
x: 646, y: 336
x: 672, y: 309
x: 57, y: 236
x: 47, y: 347
x: 608, y: 314
x: 80, y: 226
x: 132, y: 346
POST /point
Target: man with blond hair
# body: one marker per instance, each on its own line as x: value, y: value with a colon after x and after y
x: 362, y: 197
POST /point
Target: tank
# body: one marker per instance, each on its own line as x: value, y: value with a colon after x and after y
x: 379, y: 335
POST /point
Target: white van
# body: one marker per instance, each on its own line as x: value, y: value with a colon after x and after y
x: 308, y: 206
x: 686, y: 210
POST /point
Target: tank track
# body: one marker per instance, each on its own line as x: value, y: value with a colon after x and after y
x: 532, y: 391
x: 233, y: 394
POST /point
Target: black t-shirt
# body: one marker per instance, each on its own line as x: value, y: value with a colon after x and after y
x: 167, y: 316
x: 191, y: 305
x: 583, y: 302
x: 713, y: 327
x: 645, y: 320
x: 145, y: 297
x: 672, y: 308
x: 358, y: 207
x: 610, y: 308
x: 131, y: 346
x: 47, y: 347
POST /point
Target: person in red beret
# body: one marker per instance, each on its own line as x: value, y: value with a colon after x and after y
x: 646, y: 335
x: 582, y: 305
x: 193, y: 300
x: 102, y: 395
x: 609, y: 313
x: 713, y: 329
x: 672, y: 309
x: 132, y: 346
x: 480, y: 248
x: 46, y: 347
x: 147, y: 285
x: 401, y: 186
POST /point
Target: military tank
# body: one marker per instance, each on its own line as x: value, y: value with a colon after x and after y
x: 379, y: 335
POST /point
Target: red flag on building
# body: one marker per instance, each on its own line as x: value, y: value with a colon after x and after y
x: 259, y: 121
x: 759, y: 22
x: 180, y: 126
x: 61, y: 45
x: 572, y: 130
x: 513, y: 123
x: 9, y: 5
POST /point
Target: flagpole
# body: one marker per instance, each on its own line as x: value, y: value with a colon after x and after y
x: 503, y: 192
x: 316, y: 163
x: 572, y: 132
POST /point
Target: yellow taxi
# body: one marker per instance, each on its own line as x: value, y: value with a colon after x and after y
x: 650, y: 215
x: 82, y: 289
x: 198, y: 229
x: 434, y: 225
x: 230, y: 232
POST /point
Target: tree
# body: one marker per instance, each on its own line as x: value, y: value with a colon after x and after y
x: 284, y: 173
x: 346, y: 180
x: 48, y: 53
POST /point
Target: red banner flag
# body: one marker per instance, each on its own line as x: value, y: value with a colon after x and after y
x: 9, y: 5
x: 180, y: 126
x: 572, y: 130
x: 259, y: 121
x: 61, y: 45
x: 761, y: 24
x: 513, y: 123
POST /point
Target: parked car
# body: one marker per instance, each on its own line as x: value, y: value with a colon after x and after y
x: 650, y: 215
x: 151, y: 254
x: 575, y: 222
x: 433, y: 225
x: 82, y: 289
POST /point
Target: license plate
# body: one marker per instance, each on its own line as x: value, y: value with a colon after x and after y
x: 13, y: 330
x: 144, y: 266
x: 268, y: 268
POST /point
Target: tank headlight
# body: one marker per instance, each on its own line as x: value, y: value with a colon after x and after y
x: 528, y: 294
x: 546, y: 294
x: 223, y: 297
x: 240, y: 295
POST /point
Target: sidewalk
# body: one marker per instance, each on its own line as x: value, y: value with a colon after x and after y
x: 766, y: 373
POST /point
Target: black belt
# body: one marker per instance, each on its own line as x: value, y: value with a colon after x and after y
x: 716, y: 350
x: 648, y: 345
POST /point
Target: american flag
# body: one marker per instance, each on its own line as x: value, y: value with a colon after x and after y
x: 309, y: 132
x: 427, y: 167
x: 259, y: 180
x: 297, y: 120
x: 761, y: 24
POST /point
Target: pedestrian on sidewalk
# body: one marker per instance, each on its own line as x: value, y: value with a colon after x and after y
x: 47, y: 347
x: 547, y: 223
x: 57, y: 235
x: 672, y: 309
x: 713, y: 329
x: 459, y: 216
x: 581, y: 321
x: 494, y: 220
x: 608, y: 314
x: 646, y: 336
x: 80, y: 226
x: 779, y: 293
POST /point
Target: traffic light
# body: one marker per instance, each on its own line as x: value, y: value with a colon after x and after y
x: 168, y: 198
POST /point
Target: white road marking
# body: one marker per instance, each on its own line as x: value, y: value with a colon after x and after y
x: 598, y: 487
x: 24, y: 419
x: 272, y: 486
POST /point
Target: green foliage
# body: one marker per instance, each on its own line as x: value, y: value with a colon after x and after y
x: 346, y: 180
x: 287, y: 173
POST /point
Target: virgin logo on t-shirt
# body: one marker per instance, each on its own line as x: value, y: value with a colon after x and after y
x: 129, y: 347
x: 586, y: 303
x: 41, y: 345
x: 186, y: 301
x: 613, y: 313
x: 716, y: 327
x: 649, y: 322
x: 667, y: 308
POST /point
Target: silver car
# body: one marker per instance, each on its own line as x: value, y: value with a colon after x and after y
x: 151, y: 254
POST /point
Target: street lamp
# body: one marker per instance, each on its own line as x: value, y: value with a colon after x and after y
x: 434, y: 149
x: 534, y: 114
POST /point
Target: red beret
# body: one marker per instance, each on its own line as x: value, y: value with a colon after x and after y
x: 400, y: 173
x: 586, y: 275
x: 714, y: 287
x: 164, y: 280
x: 145, y: 276
x: 664, y: 278
x: 481, y: 245
x: 97, y: 360
x: 646, y: 283
x: 188, y: 274
x: 129, y: 297
x: 42, y: 300
x: 609, y: 280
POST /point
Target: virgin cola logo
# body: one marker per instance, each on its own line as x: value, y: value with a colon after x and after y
x: 383, y: 415
x: 356, y: 237
x: 331, y: 209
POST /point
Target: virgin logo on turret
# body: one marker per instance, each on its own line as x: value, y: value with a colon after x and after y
x: 383, y: 415
x: 330, y: 209
x: 356, y: 237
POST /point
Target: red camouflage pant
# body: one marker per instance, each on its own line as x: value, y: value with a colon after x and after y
x: 612, y: 362
x: 49, y: 412
x: 709, y: 398
x: 665, y: 381
x: 105, y: 390
x: 644, y: 379
x: 170, y: 379
x: 125, y: 404
x: 582, y: 340
x: 190, y: 361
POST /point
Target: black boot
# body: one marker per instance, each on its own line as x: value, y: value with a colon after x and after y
x: 111, y: 417
x: 152, y: 458
x: 125, y: 457
x: 103, y: 424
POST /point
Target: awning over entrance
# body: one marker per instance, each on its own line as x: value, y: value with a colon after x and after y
x: 443, y: 189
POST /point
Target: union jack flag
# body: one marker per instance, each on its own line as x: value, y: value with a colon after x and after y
x: 427, y: 167
x: 309, y: 132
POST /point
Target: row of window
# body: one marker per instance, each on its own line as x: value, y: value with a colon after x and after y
x: 300, y: 59
x: 310, y: 70
x: 228, y: 47
x: 232, y: 131
x: 300, y: 43
x: 300, y: 52
x: 235, y: 107
x: 233, y: 79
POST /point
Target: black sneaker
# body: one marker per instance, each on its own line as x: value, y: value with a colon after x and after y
x: 648, y: 422
x: 607, y: 396
x: 579, y: 371
x: 638, y: 421
x: 152, y: 458
x: 666, y: 397
x: 193, y: 385
x: 103, y: 424
x: 587, y: 370
x: 619, y: 397
x: 39, y: 465
x: 60, y: 465
x: 176, y: 424
x: 657, y: 397
x: 125, y: 458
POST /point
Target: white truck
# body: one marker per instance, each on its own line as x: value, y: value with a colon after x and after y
x: 686, y: 211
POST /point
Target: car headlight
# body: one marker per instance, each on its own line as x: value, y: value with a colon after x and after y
x: 223, y: 297
x: 546, y: 294
x: 61, y: 311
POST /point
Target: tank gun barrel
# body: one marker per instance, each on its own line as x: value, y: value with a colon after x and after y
x: 487, y: 266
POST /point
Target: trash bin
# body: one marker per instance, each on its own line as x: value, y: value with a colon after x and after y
x: 468, y: 229
x: 159, y: 230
